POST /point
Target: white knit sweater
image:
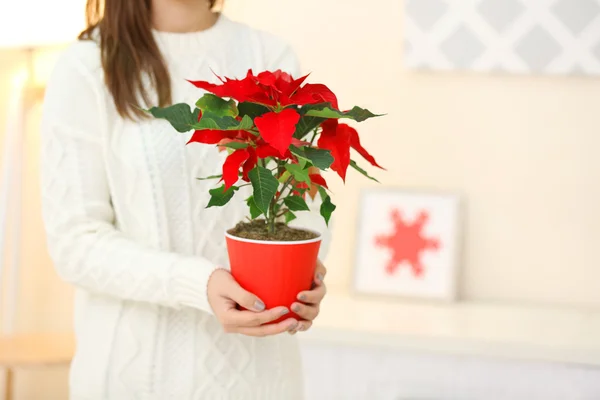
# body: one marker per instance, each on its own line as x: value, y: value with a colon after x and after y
x: 127, y: 225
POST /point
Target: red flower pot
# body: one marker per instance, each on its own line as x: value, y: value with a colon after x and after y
x: 274, y: 271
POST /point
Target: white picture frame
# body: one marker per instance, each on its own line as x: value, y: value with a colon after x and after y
x: 426, y: 226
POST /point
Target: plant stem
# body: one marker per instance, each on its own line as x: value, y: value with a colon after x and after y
x: 285, y: 185
x: 282, y: 213
x: 314, y: 136
x: 271, y: 217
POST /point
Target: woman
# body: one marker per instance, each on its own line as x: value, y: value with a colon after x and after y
x: 155, y: 316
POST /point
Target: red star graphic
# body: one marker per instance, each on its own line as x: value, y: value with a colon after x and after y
x: 407, y: 242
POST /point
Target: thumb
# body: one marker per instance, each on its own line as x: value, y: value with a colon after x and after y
x: 245, y: 299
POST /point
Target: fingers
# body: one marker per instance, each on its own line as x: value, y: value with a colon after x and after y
x: 306, y: 312
x: 320, y: 273
x: 244, y: 298
x: 289, y: 325
x: 235, y: 319
x: 303, y: 326
x: 314, y: 296
x: 311, y: 299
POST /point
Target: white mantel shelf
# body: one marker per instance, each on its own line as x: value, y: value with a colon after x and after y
x: 466, y: 329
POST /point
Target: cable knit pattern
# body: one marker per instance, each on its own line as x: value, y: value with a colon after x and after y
x: 127, y: 225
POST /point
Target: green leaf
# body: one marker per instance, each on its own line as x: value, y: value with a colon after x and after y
x: 300, y: 174
x: 289, y: 217
x: 235, y: 145
x: 217, y: 106
x: 320, y: 158
x: 296, y: 203
x: 220, y: 196
x: 254, y: 210
x: 196, y: 114
x: 180, y: 116
x: 306, y: 125
x: 354, y: 165
x: 252, y: 110
x: 284, y: 177
x: 210, y: 177
x: 327, y: 208
x: 302, y: 162
x: 264, y: 185
x: 301, y: 190
x: 325, y: 111
x: 322, y: 192
x: 213, y: 121
x: 246, y: 123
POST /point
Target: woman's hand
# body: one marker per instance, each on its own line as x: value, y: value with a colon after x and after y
x: 310, y: 301
x: 224, y: 294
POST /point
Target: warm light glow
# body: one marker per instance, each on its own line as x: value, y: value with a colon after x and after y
x: 19, y: 81
x: 36, y: 23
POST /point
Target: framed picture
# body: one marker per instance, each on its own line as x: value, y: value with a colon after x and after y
x: 407, y: 244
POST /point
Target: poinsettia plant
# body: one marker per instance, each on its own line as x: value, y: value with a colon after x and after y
x: 280, y: 133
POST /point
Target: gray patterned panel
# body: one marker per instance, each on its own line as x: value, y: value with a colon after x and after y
x: 462, y: 47
x: 500, y: 14
x: 538, y: 48
x: 576, y: 14
x: 426, y: 12
x: 519, y: 36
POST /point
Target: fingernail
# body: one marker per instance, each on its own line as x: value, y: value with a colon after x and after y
x: 293, y: 327
x: 295, y: 308
x: 320, y: 277
x: 302, y: 297
x: 284, y: 311
x: 259, y: 305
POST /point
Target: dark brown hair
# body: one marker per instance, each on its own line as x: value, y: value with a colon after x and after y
x: 128, y: 51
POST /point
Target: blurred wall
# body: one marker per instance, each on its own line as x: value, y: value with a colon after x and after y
x: 521, y: 149
x: 44, y: 301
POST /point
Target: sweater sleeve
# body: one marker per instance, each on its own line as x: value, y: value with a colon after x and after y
x: 281, y: 55
x: 85, y: 246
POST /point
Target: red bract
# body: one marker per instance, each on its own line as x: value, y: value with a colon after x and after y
x: 273, y: 89
x: 278, y: 128
x: 210, y: 136
x: 355, y: 144
x: 300, y: 185
x: 281, y: 84
x: 318, y: 180
x: 338, y: 138
x: 262, y: 150
x: 232, y: 166
x: 314, y: 94
x: 265, y: 151
x: 246, y: 89
x: 249, y: 164
x: 281, y: 81
x: 287, y: 91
